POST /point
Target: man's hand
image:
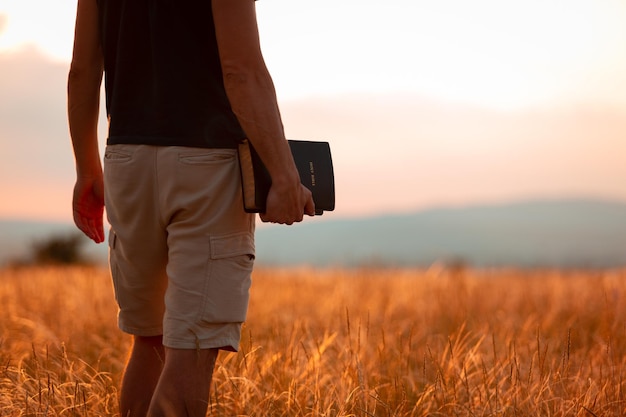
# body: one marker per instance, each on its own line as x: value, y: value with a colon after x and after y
x: 288, y: 204
x: 88, y: 206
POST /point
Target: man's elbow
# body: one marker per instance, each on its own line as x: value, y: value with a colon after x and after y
x: 84, y: 75
x: 241, y: 71
x: 238, y: 80
x: 235, y: 78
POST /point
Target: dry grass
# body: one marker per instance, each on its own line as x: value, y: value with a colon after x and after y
x: 343, y: 343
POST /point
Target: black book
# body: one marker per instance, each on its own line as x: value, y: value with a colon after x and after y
x: 314, y: 163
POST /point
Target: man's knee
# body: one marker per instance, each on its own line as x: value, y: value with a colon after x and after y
x: 148, y: 340
x: 147, y: 346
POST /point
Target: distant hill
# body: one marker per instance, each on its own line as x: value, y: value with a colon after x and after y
x: 563, y: 233
x: 572, y: 233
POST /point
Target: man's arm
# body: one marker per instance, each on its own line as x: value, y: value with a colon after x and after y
x: 252, y: 97
x: 83, y: 89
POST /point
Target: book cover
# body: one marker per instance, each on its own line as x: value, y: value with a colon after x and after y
x: 314, y: 163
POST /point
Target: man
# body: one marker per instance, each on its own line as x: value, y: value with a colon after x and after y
x: 185, y: 81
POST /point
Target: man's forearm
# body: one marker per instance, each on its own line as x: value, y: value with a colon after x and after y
x: 83, y: 90
x: 83, y: 107
x: 253, y: 100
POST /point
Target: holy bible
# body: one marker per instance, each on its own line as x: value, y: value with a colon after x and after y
x: 314, y: 163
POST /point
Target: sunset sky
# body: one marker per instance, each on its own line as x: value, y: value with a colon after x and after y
x: 425, y: 103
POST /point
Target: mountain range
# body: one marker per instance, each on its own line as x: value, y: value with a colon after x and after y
x: 547, y: 233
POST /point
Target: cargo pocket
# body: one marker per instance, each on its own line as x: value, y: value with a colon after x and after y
x: 229, y: 278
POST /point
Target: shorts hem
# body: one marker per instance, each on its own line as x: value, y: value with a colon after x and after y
x: 222, y: 344
x: 153, y: 331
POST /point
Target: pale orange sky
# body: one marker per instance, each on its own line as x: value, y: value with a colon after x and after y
x: 424, y: 103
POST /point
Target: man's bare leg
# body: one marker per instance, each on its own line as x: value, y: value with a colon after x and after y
x: 141, y: 375
x: 183, y: 389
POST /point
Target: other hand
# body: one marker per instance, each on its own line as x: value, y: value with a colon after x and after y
x: 88, y: 207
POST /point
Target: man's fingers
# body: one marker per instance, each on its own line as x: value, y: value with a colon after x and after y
x: 309, y: 209
x: 92, y: 228
x: 96, y: 230
x: 289, y: 213
x: 100, y: 235
x: 288, y: 220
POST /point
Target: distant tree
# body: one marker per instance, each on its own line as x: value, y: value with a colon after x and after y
x: 59, y: 250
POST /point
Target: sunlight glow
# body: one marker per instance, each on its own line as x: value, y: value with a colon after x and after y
x: 485, y: 52
x: 47, y: 25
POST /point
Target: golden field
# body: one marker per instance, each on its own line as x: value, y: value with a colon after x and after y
x: 334, y: 342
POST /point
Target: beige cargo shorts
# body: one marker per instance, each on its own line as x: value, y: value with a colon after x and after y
x: 181, y: 247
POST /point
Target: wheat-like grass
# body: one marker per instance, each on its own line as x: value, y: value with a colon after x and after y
x: 342, y: 342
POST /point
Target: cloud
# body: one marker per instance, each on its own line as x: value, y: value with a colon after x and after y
x: 36, y: 163
x: 397, y: 152
x: 33, y: 132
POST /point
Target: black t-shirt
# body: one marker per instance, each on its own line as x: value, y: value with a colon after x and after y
x: 163, y: 76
